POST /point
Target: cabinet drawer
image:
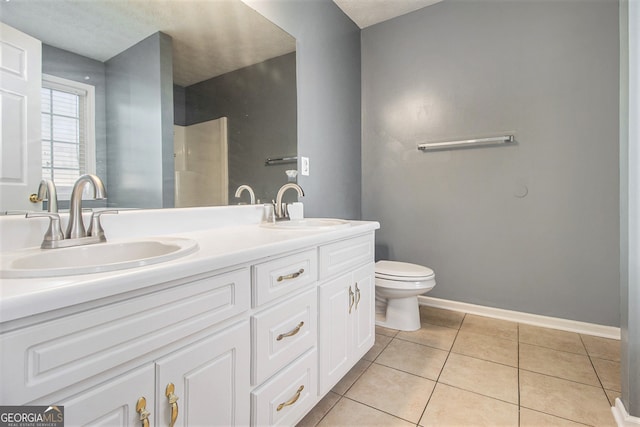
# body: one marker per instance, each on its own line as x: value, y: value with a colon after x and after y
x: 282, y: 333
x: 285, y: 398
x: 281, y: 276
x: 344, y: 255
x: 47, y: 357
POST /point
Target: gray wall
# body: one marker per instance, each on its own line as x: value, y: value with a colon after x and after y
x: 140, y: 125
x: 179, y: 105
x: 260, y: 104
x: 547, y: 71
x: 630, y: 207
x: 328, y: 75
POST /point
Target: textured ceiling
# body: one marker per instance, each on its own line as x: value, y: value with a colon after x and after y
x: 368, y: 12
x: 210, y: 37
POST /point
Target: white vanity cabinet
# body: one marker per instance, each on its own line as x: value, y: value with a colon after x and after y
x: 210, y: 386
x: 251, y: 337
x: 346, y: 306
x: 98, y: 362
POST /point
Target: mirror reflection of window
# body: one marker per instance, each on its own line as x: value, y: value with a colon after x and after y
x: 68, y: 132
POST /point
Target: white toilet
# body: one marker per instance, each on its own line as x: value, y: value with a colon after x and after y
x: 398, y: 285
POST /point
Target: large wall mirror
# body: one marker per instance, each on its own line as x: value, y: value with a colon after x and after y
x: 192, y: 98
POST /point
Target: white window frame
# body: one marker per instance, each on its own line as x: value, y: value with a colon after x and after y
x: 88, y: 91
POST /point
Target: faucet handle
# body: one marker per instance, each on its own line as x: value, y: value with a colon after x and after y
x: 285, y: 210
x: 14, y: 212
x: 95, y: 227
x: 54, y: 232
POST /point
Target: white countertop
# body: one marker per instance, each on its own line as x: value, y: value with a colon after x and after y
x: 226, y: 237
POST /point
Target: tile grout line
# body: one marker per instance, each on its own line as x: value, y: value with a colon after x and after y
x: 556, y: 349
x: 594, y: 369
x: 450, y: 351
x: 380, y: 410
x: 327, y: 413
x: 480, y: 394
x: 442, y: 369
x: 558, y: 416
x: 348, y: 388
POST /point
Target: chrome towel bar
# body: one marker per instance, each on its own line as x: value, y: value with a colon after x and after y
x: 465, y: 143
x: 280, y: 160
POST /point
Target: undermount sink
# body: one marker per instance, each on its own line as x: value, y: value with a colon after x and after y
x: 95, y: 258
x: 308, y: 224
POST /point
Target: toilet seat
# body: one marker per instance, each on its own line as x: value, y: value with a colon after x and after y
x: 402, y: 271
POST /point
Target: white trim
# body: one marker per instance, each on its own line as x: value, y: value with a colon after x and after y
x: 527, y: 318
x: 622, y: 417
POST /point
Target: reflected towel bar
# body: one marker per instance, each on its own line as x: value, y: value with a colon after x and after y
x: 280, y: 160
x: 447, y: 145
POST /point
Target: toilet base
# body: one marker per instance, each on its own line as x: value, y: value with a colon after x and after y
x: 401, y: 313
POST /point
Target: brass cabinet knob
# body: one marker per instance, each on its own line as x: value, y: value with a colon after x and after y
x: 173, y: 402
x: 141, y: 408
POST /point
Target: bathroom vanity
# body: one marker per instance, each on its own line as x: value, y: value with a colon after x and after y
x: 252, y: 328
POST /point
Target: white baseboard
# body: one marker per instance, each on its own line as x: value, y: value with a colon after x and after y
x: 623, y: 419
x: 530, y: 319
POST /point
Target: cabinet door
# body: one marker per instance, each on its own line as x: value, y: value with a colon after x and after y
x: 211, y: 380
x: 363, y: 316
x: 334, y: 331
x: 112, y: 403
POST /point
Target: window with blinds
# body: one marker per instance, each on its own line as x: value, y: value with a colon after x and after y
x: 67, y: 132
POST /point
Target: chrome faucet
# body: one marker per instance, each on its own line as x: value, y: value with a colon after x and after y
x: 281, y: 211
x: 248, y: 189
x: 75, y: 228
x: 47, y: 190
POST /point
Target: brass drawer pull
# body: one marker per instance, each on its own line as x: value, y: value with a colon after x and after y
x: 141, y: 408
x: 291, y: 332
x: 291, y: 401
x: 291, y: 276
x: 173, y: 401
x: 357, y: 295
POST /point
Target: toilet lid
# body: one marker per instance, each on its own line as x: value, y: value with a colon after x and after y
x: 394, y: 270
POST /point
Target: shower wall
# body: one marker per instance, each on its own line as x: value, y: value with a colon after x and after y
x: 201, y: 166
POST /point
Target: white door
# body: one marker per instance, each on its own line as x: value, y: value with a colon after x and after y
x: 20, y: 138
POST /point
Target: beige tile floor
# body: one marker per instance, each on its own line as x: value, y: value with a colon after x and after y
x: 467, y: 370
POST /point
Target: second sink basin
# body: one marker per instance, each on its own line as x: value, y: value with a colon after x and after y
x: 95, y: 258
